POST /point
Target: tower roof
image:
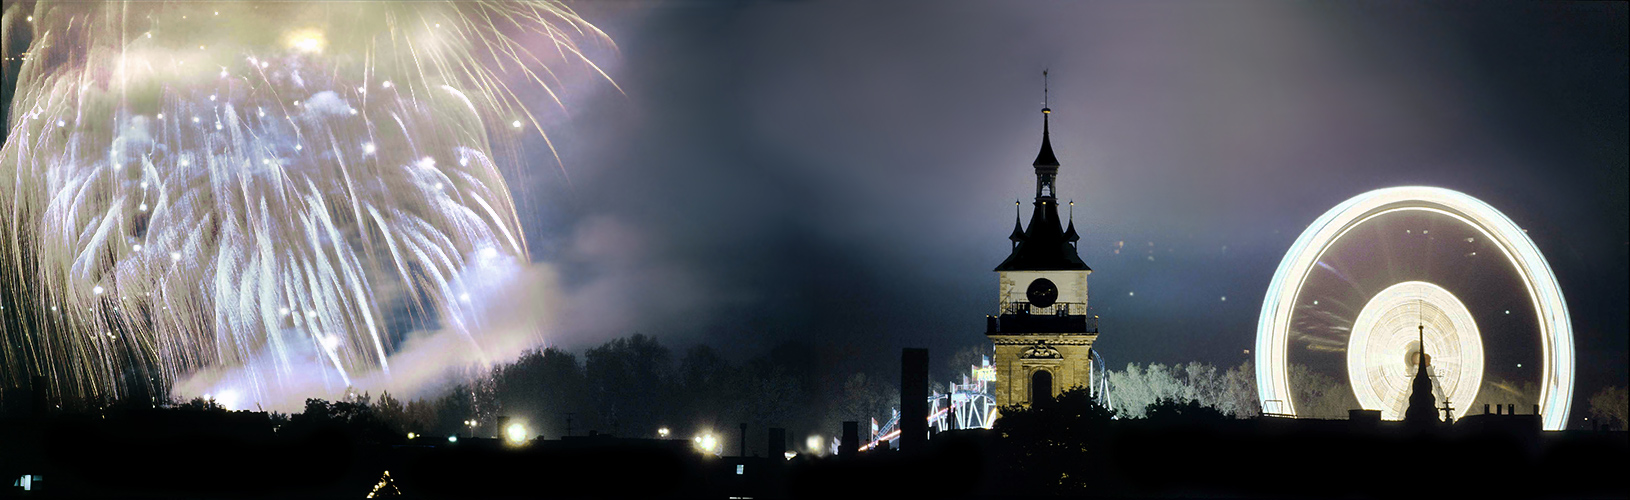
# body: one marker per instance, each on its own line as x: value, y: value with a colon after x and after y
x: 1045, y: 246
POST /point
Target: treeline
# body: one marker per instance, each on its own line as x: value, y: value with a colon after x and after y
x: 1231, y: 391
x: 632, y: 387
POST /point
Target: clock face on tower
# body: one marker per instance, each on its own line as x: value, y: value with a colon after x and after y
x: 1042, y: 293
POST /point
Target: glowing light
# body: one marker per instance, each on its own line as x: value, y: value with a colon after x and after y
x: 707, y: 443
x: 412, y: 435
x: 515, y: 434
x: 663, y: 432
x: 452, y: 439
x: 368, y: 148
x: 228, y: 399
x: 175, y: 256
x: 1544, y: 293
x: 516, y: 124
x: 135, y: 248
x: 310, y: 41
x: 97, y: 290
x: 813, y: 444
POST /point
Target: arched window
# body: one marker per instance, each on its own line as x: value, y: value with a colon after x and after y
x: 1041, y: 387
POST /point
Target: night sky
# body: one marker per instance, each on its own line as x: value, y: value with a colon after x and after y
x: 843, y: 173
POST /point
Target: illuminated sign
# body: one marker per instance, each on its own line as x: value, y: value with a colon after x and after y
x: 985, y: 373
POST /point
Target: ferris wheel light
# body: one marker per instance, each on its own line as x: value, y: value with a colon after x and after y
x: 1381, y: 354
x: 1539, y: 283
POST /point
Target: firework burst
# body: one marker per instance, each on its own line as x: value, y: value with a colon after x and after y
x: 192, y: 185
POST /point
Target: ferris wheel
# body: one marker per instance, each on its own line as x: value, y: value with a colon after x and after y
x: 1396, y: 276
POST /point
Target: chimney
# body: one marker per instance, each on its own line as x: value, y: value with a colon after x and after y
x: 849, y: 445
x: 743, y: 439
x: 1511, y: 409
x: 913, y: 399
x: 1499, y: 409
x: 1536, y: 409
x: 1485, y: 408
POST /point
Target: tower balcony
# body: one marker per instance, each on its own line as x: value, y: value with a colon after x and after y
x: 1024, y: 317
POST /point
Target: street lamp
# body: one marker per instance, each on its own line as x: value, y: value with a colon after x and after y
x: 662, y: 433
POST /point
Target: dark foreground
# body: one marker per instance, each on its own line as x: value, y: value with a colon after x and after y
x: 170, y: 454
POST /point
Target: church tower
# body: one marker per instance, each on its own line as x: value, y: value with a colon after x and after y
x: 1043, y: 331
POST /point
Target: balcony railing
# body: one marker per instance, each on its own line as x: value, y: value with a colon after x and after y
x: 1022, y: 317
x: 1057, y: 309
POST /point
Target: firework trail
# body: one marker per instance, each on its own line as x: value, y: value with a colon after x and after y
x: 267, y: 187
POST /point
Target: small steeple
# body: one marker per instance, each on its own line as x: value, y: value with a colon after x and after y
x: 1069, y: 234
x: 1018, y: 228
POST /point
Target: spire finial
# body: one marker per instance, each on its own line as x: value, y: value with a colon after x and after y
x: 1045, y: 108
x: 1072, y: 210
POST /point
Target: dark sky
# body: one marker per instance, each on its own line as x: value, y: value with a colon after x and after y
x: 843, y: 173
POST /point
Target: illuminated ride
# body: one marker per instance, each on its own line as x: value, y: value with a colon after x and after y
x: 967, y: 405
x: 1377, y: 255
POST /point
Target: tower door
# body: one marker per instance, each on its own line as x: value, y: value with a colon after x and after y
x: 1041, y: 387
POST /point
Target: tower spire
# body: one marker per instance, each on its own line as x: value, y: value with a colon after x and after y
x: 1045, y: 158
x: 1422, y: 411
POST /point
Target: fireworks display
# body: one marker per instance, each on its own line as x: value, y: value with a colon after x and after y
x: 261, y: 187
